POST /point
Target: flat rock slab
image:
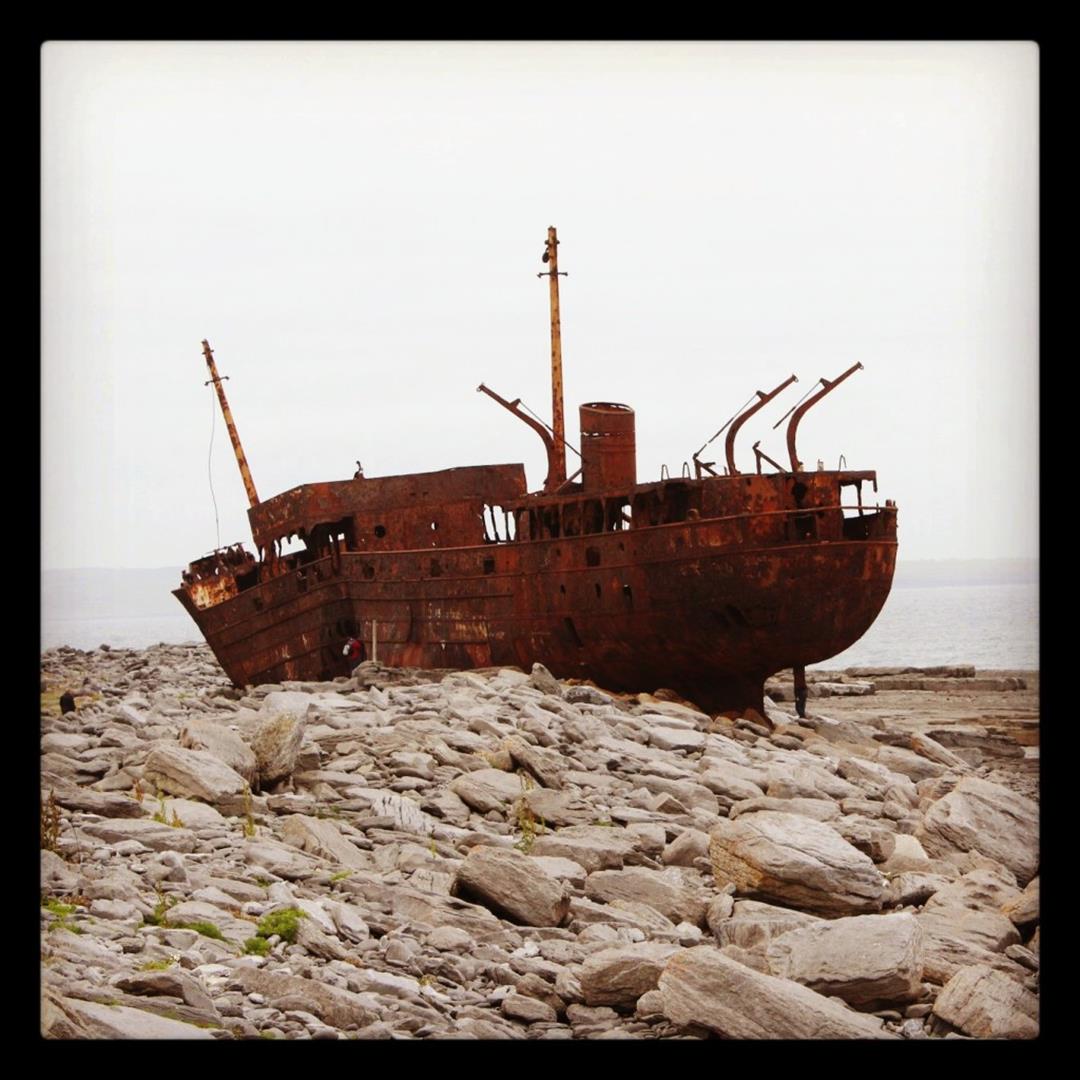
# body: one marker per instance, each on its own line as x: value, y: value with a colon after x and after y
x: 703, y: 988
x: 153, y: 834
x: 795, y: 861
x: 280, y: 860
x: 672, y: 738
x: 818, y: 809
x: 986, y: 1004
x: 752, y: 924
x: 488, y: 789
x: 120, y: 1022
x: 957, y: 937
x: 320, y: 837
x: 596, y: 847
x: 202, y: 734
x: 978, y: 815
x: 559, y: 808
x: 195, y: 774
x: 332, y: 1005
x: 98, y: 802
x: 619, y: 976
x: 512, y: 885
x: 664, y: 890
x: 860, y: 958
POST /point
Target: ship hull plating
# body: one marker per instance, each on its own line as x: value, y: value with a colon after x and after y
x: 684, y: 606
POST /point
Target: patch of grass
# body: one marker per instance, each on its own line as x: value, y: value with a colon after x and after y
x: 59, y: 909
x: 341, y: 875
x: 267, y: 1035
x: 256, y: 946
x: 63, y: 924
x: 163, y: 964
x: 283, y: 923
x: 207, y: 929
x: 263, y: 883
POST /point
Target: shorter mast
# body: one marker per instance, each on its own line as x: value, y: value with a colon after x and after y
x: 245, y: 472
x: 558, y: 422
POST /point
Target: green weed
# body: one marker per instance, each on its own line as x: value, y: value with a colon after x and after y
x: 283, y: 923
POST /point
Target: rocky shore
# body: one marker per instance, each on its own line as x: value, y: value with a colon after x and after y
x: 500, y: 855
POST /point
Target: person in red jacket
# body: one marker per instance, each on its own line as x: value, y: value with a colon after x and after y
x: 353, y: 652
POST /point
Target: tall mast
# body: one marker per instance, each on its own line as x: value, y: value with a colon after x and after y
x: 558, y: 422
x: 245, y: 472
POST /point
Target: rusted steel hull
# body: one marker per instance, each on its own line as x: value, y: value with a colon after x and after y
x: 696, y: 606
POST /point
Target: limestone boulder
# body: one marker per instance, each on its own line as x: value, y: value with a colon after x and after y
x: 318, y: 836
x: 276, y: 744
x: 702, y: 988
x: 986, y: 1004
x: 217, y: 739
x: 595, y: 847
x: 861, y: 958
x: 795, y: 861
x: 195, y: 774
x: 619, y: 976
x: 981, y: 816
x: 667, y: 891
x: 512, y: 886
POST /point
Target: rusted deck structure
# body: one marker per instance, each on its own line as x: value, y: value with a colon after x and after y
x: 705, y: 584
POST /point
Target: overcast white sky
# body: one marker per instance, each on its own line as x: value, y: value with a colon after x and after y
x: 357, y: 228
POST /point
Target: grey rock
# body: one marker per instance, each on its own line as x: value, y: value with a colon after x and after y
x: 321, y: 837
x: 620, y: 976
x: 512, y: 884
x: 752, y: 924
x: 195, y: 774
x: 978, y: 815
x: 488, y: 789
x: 818, y: 809
x: 276, y: 743
x: 701, y: 987
x: 685, y: 848
x: 667, y: 891
x: 171, y: 982
x: 332, y: 1005
x: 986, y: 1004
x: 217, y: 739
x: 592, y: 846
x: 152, y: 834
x: 121, y: 1022
x: 862, y: 958
x: 546, y: 765
x: 795, y: 860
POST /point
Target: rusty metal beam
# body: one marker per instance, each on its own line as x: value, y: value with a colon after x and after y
x: 801, y: 411
x: 764, y: 399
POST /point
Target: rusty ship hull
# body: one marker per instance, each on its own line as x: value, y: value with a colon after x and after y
x: 707, y: 606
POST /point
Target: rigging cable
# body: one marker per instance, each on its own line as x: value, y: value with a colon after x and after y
x: 209, y: 472
x: 545, y: 424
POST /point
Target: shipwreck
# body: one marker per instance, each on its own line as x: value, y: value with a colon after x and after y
x: 705, y: 583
